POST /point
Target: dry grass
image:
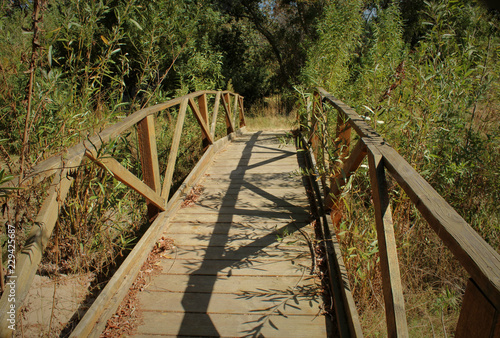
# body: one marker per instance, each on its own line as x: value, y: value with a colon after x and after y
x: 267, y: 115
x: 427, y: 316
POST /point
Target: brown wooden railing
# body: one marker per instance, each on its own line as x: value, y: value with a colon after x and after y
x: 156, y: 195
x: 480, y: 312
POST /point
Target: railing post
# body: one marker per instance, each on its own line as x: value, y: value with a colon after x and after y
x: 343, y: 135
x: 149, y: 159
x: 226, y: 101
x: 203, y: 106
x: 214, y: 115
x: 172, y: 156
x: 391, y: 278
x: 202, y: 121
x: 478, y: 316
x: 242, y: 113
x: 313, y: 136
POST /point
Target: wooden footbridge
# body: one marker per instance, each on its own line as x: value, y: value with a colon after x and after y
x: 253, y: 250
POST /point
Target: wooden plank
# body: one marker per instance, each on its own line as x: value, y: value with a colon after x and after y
x: 174, y: 148
x: 230, y: 325
x: 391, y: 278
x: 275, y: 179
x: 349, y: 166
x: 235, y: 268
x: 248, y: 201
x: 214, y: 114
x: 304, y: 302
x: 264, y: 197
x: 284, y: 212
x: 256, y: 169
x: 356, y: 122
x: 478, y: 316
x: 255, y: 217
x: 30, y: 256
x: 123, y: 175
x: 201, y: 121
x: 254, y: 240
x: 229, y: 284
x: 341, y: 277
x: 149, y: 158
x: 273, y: 252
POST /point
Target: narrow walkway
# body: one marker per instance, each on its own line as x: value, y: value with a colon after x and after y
x: 240, y: 267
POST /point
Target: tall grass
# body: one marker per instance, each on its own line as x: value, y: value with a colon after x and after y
x: 433, y: 102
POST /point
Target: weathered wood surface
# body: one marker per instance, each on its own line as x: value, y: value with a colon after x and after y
x: 391, y: 277
x: 246, y: 270
x: 478, y: 317
x: 94, y: 320
x: 129, y: 179
x: 174, y: 148
x: 149, y: 158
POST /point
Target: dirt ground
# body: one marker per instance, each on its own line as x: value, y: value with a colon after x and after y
x: 50, y: 304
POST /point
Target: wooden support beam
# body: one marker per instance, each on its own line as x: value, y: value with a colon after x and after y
x: 126, y: 177
x: 172, y: 156
x: 235, y: 109
x: 149, y: 159
x: 201, y: 121
x: 343, y: 135
x: 242, y: 113
x: 203, y: 107
x: 350, y: 165
x: 227, y: 107
x: 214, y: 115
x: 391, y: 278
x: 478, y: 317
x: 28, y: 259
x: 313, y: 137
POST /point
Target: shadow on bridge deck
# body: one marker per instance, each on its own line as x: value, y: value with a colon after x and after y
x: 242, y: 265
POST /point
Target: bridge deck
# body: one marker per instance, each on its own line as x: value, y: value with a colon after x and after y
x: 240, y: 266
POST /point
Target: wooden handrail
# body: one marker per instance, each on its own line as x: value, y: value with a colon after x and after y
x: 478, y: 258
x: 157, y: 198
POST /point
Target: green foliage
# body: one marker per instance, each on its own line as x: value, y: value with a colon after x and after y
x: 4, y: 178
x: 329, y: 59
x: 425, y: 75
